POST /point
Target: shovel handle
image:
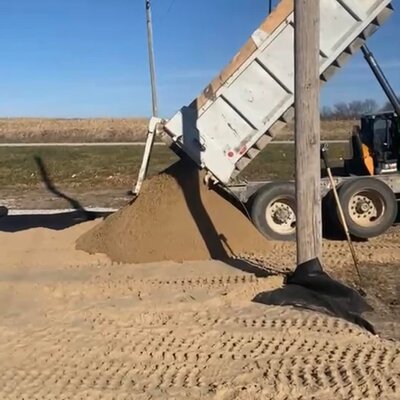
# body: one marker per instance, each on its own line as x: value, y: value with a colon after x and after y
x: 324, y: 155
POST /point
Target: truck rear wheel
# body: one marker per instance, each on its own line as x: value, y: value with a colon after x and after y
x: 369, y: 206
x: 273, y: 211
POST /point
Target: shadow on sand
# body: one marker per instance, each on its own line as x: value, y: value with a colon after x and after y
x: 59, y: 221
x: 187, y: 175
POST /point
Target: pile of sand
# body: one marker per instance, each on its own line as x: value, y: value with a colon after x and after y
x: 176, y: 217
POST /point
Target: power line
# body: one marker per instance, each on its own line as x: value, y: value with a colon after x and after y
x: 161, y: 18
x: 170, y: 7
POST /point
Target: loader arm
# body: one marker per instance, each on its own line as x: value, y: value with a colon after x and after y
x: 381, y: 78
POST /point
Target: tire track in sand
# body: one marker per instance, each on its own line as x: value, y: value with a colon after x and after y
x: 308, y: 353
x: 190, y: 336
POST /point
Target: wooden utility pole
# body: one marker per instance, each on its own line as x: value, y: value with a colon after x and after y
x: 307, y: 130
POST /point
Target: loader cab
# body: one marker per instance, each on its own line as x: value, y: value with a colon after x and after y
x: 377, y: 142
x: 380, y: 132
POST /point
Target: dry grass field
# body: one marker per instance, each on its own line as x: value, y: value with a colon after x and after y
x: 72, y: 130
x: 113, y: 130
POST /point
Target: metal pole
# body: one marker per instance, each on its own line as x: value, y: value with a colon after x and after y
x: 307, y: 130
x: 151, y: 58
x: 380, y: 76
x: 270, y: 6
x: 152, y: 127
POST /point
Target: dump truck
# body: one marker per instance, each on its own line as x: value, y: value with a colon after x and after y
x: 246, y: 106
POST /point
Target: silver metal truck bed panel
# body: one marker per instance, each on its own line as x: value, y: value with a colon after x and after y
x: 252, y: 99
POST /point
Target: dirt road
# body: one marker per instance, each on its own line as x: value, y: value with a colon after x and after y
x: 75, y: 326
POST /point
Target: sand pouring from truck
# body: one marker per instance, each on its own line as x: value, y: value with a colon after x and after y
x: 252, y: 99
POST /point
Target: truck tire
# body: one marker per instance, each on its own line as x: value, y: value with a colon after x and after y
x: 273, y: 211
x: 369, y: 206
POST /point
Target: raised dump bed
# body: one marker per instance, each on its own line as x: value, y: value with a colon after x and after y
x: 252, y: 99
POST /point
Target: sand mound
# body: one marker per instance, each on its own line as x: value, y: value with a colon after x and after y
x: 178, y: 218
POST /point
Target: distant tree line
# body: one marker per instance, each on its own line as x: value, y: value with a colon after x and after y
x: 353, y: 109
x: 388, y: 105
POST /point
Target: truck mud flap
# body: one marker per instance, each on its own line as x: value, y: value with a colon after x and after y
x: 309, y: 287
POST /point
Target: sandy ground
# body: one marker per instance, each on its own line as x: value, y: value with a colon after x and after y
x: 75, y: 326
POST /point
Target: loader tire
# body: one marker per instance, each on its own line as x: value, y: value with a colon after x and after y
x: 369, y: 207
x: 273, y: 211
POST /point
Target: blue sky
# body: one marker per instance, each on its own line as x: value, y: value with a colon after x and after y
x: 88, y: 58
